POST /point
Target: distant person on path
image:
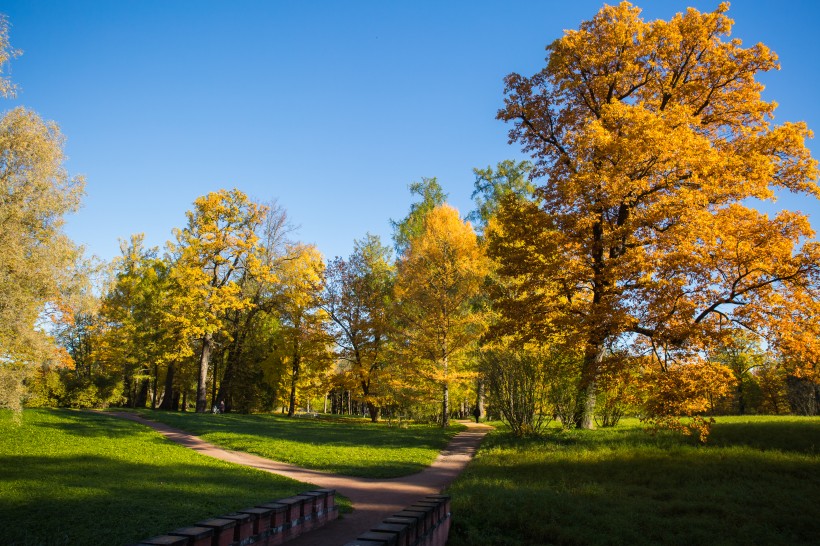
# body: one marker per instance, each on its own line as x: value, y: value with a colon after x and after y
x: 221, y: 406
x: 477, y: 413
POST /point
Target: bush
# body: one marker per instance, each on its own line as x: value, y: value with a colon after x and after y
x: 519, y: 388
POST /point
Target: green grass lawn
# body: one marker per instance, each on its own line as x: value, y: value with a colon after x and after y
x: 353, y: 447
x: 69, y: 477
x: 756, y: 482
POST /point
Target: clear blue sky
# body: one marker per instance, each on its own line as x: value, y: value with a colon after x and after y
x: 332, y: 108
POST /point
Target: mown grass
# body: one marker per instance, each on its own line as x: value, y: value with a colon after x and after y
x: 756, y: 482
x: 352, y: 447
x: 69, y: 477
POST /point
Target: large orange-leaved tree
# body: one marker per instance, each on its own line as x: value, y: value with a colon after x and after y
x: 648, y: 140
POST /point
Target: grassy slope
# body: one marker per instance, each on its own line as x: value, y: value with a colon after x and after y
x: 757, y: 482
x: 69, y: 477
x: 352, y: 447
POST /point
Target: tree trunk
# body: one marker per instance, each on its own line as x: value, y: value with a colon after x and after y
x: 445, y: 397
x: 479, y: 402
x: 168, y: 398
x: 293, y: 380
x: 126, y: 389
x: 142, y: 394
x: 587, y: 391
x: 372, y: 409
x: 215, y: 376
x: 154, y: 393
x: 741, y: 402
x: 585, y: 406
x: 202, y: 381
x: 445, y: 405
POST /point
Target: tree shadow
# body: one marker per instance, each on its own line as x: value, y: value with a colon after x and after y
x: 798, y: 435
x: 627, y: 495
x: 89, y: 424
x: 107, y: 500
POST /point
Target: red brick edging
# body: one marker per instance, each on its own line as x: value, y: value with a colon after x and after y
x: 425, y: 523
x: 267, y: 524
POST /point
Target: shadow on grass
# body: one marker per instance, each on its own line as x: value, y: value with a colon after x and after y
x: 626, y: 487
x: 795, y: 434
x: 315, y: 432
x: 105, y: 500
x: 88, y: 424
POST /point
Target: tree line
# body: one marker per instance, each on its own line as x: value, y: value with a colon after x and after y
x: 621, y: 271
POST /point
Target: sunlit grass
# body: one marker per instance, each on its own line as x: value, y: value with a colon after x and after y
x: 352, y: 447
x: 756, y: 482
x: 71, y: 477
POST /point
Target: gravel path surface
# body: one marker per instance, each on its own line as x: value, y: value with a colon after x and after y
x: 373, y: 499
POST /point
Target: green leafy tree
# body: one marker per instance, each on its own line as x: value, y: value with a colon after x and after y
x: 357, y: 298
x: 494, y: 185
x: 431, y: 196
x: 743, y: 355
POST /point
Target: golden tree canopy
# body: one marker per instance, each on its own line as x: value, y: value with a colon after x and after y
x: 647, y: 138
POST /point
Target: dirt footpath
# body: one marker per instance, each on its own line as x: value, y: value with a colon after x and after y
x: 373, y: 499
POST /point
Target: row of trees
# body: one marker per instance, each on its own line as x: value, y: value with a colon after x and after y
x: 621, y: 270
x: 235, y: 312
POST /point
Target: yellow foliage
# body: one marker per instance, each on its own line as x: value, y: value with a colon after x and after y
x: 36, y: 258
x: 685, y: 389
x: 439, y: 277
x: 213, y: 252
x: 649, y: 136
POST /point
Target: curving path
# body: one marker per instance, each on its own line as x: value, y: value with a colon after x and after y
x: 373, y: 499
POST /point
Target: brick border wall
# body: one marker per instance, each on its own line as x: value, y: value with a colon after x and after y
x: 425, y: 523
x: 267, y: 524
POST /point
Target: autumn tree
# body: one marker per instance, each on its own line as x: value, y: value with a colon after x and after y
x: 36, y: 258
x: 647, y: 140
x: 249, y: 329
x: 438, y: 278
x: 357, y: 298
x: 303, y: 344
x: 217, y: 247
x: 76, y: 378
x: 7, y: 53
x: 137, y: 335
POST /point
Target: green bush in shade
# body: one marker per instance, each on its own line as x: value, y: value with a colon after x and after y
x: 757, y: 481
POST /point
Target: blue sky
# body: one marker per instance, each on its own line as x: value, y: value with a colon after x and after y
x: 332, y: 108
